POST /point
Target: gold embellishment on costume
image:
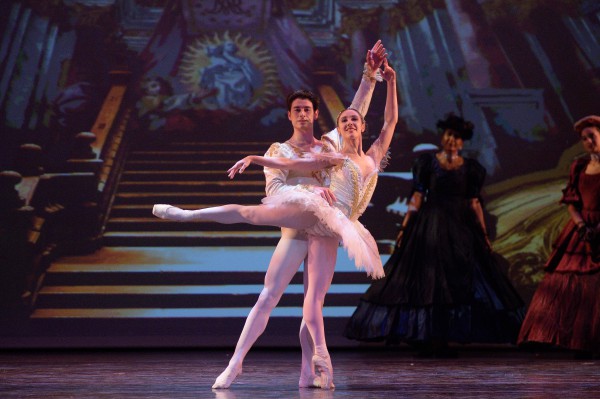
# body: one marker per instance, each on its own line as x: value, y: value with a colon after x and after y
x: 326, y: 145
x: 274, y: 148
x: 355, y: 189
x: 316, y: 174
x: 332, y: 185
x: 299, y: 152
x: 358, y: 201
x: 368, y: 190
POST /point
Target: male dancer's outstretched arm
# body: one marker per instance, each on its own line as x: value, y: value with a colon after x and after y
x: 315, y: 162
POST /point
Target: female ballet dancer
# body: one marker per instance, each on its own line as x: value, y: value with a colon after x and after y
x: 353, y: 174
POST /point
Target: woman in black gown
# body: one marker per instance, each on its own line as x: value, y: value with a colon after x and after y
x: 442, y: 282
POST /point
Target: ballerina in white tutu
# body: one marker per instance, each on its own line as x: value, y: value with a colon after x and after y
x: 301, y: 208
x: 353, y: 177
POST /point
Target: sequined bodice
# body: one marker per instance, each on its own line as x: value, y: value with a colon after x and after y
x: 352, y: 190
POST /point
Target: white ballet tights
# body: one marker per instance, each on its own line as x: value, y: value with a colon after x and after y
x: 307, y: 371
x: 322, y: 254
x: 284, y: 264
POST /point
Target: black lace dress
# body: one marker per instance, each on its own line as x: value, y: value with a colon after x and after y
x: 442, y: 283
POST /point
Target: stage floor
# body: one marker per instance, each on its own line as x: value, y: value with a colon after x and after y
x: 362, y: 373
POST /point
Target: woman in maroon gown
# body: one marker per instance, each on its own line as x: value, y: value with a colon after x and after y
x: 565, y: 309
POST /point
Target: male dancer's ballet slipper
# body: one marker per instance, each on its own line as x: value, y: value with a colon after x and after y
x: 323, y: 364
x: 160, y: 210
x: 226, y: 378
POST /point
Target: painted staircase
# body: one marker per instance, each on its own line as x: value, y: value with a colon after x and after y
x: 190, y: 175
x: 161, y: 283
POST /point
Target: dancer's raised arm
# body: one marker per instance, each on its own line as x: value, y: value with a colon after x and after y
x: 373, y: 61
x: 380, y: 146
x: 362, y: 98
x: 316, y: 162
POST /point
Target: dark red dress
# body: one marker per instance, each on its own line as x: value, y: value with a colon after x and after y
x: 565, y: 309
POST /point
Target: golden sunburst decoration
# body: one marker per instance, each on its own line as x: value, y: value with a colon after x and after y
x: 231, y: 72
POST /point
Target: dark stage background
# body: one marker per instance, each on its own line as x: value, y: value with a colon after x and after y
x: 109, y: 106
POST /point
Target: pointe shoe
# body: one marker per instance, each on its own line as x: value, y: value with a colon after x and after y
x: 323, y: 364
x: 309, y: 381
x: 160, y: 210
x: 313, y: 381
x: 224, y: 380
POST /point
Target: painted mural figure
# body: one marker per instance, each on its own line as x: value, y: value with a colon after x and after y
x: 233, y: 78
x: 442, y: 283
x: 294, y: 246
x: 565, y: 309
x: 158, y: 103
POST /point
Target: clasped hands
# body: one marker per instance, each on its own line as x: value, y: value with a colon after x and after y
x: 588, y: 233
x: 377, y: 58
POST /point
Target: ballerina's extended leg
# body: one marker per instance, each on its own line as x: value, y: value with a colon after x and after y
x: 322, y: 253
x: 282, y: 215
x: 308, y: 378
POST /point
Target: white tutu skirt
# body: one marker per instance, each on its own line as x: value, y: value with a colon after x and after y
x: 356, y: 239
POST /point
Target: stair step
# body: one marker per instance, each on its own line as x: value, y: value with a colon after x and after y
x: 179, y: 301
x: 88, y: 275
x: 179, y: 296
x: 181, y: 197
x: 156, y: 259
x: 200, y: 234
x: 216, y: 289
x: 189, y: 175
x: 231, y: 156
x: 161, y: 313
x: 152, y: 223
x: 252, y: 147
x: 166, y: 165
x: 191, y: 238
x: 221, y: 186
